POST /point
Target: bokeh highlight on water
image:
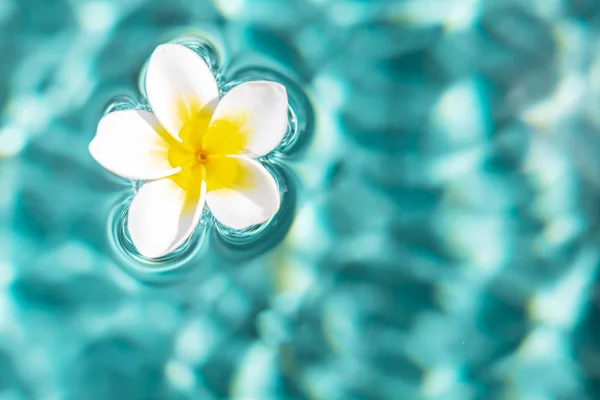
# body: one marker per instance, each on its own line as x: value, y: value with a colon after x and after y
x: 438, y: 238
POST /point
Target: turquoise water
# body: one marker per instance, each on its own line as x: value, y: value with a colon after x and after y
x: 438, y: 236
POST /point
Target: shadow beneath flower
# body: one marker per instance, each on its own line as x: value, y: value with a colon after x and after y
x: 159, y: 271
x: 250, y: 243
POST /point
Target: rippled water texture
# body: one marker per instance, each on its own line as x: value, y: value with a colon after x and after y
x: 438, y: 237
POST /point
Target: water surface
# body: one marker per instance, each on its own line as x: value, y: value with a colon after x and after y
x: 438, y: 237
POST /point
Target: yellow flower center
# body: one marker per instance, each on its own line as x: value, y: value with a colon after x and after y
x: 202, y: 154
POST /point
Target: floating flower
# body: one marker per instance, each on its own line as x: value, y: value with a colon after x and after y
x: 194, y: 148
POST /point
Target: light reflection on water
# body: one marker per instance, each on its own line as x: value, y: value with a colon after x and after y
x: 437, y: 238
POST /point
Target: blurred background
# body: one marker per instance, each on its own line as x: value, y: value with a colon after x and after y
x: 439, y: 232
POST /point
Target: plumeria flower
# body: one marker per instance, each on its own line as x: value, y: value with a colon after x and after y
x: 193, y: 149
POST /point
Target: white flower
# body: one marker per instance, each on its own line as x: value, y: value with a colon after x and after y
x: 193, y: 149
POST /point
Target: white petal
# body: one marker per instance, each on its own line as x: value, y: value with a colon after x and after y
x: 162, y: 216
x: 246, y: 203
x: 179, y: 85
x: 128, y: 143
x: 261, y: 108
